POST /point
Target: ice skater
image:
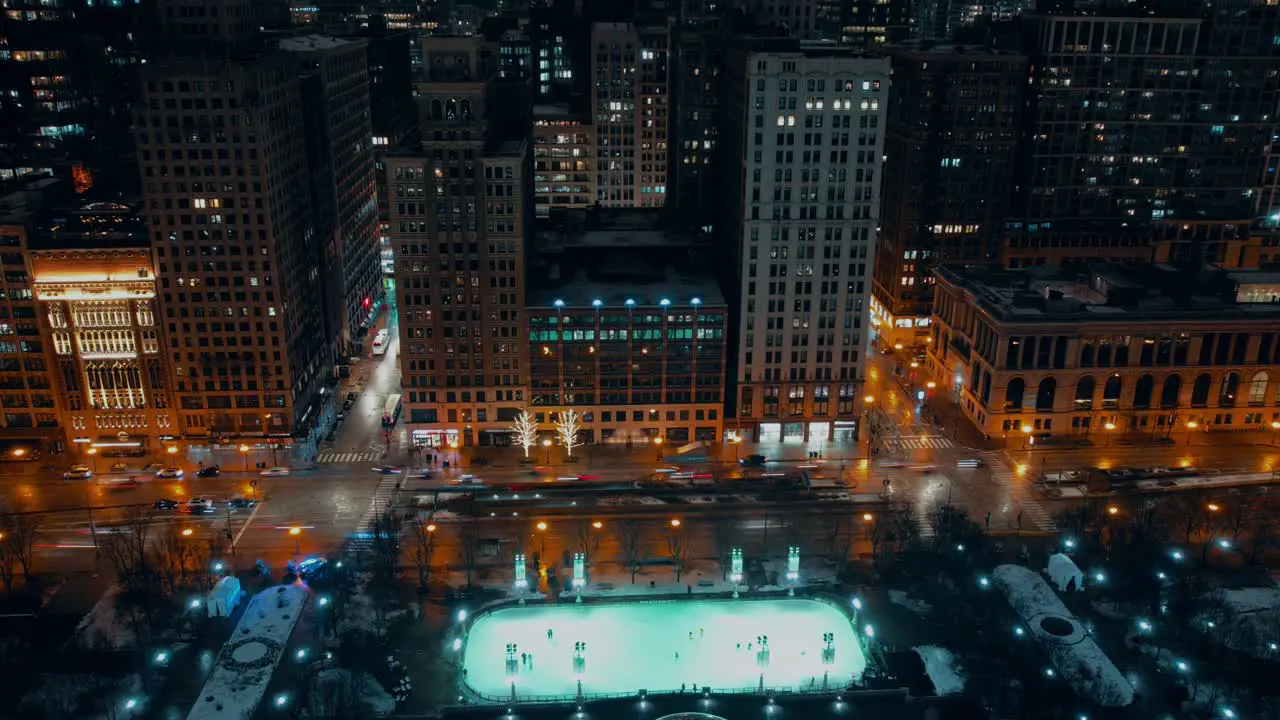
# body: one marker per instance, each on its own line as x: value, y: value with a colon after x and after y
x: 549, y: 634
x: 677, y: 656
x: 739, y: 646
x: 690, y: 634
x: 524, y: 658
x: 701, y: 633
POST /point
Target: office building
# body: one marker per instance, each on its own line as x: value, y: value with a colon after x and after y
x: 868, y: 25
x: 800, y: 19
x: 563, y: 159
x: 223, y: 149
x: 96, y: 293
x: 951, y: 153
x: 461, y: 206
x: 1169, y: 166
x: 335, y: 94
x: 629, y: 100
x: 1112, y: 350
x: 800, y: 176
x: 626, y: 326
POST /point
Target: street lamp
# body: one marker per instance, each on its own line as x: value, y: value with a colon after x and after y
x: 1026, y: 430
x: 93, y: 458
x: 547, y: 444
x: 597, y: 524
x: 1110, y: 428
x: 1275, y: 428
x: 737, y: 446
x: 172, y: 450
x: 296, y: 532
x: 431, y: 528
x: 657, y: 442
x: 542, y: 537
x: 187, y: 532
x: 244, y: 450
x: 675, y: 522
x: 20, y: 453
x: 1191, y: 426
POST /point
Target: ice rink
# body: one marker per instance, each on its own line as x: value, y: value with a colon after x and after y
x: 648, y: 645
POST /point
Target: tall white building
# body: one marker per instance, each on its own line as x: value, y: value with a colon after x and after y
x: 803, y: 148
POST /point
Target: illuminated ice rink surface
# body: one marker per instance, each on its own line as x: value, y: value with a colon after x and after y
x: 634, y: 646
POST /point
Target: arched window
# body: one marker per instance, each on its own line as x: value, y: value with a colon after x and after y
x: 1142, y: 392
x: 451, y: 109
x: 1169, y: 392
x: 1200, y: 391
x: 1230, y: 388
x: 1044, y: 394
x: 437, y: 110
x: 1258, y: 389
x: 1013, y: 394
x: 1086, y: 354
x: 1111, y: 392
x: 1085, y: 387
x: 466, y: 110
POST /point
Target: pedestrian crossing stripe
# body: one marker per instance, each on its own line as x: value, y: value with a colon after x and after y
x: 1031, y: 510
x: 921, y: 442
x: 329, y: 456
x: 384, y: 497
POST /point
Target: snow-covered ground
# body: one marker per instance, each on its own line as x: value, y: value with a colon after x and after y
x: 1071, y: 650
x: 334, y: 682
x: 103, y: 627
x: 943, y: 670
x: 660, y: 646
x: 1249, y: 621
x: 250, y: 655
x: 902, y: 599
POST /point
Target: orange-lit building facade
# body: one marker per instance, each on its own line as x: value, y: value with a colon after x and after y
x: 94, y: 284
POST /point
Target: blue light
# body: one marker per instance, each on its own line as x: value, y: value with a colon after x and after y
x: 696, y: 301
x: 558, y: 303
x: 629, y: 302
x: 664, y: 302
x: 597, y: 302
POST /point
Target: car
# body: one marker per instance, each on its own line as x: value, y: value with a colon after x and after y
x: 210, y: 471
x: 588, y: 477
x: 969, y: 463
x: 119, y: 467
x: 77, y: 472
x: 170, y: 473
x: 199, y: 506
x: 275, y: 472
x: 241, y: 503
x: 312, y: 568
x: 331, y: 435
x: 753, y: 461
x: 388, y: 470
x: 468, y: 480
x: 342, y: 416
x: 166, y: 504
x: 122, y: 484
x: 153, y: 467
x: 923, y: 468
x: 422, y: 473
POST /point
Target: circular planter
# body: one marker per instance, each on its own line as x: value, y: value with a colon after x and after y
x: 1056, y: 629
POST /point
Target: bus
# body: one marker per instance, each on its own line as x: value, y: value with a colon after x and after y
x: 380, y: 343
x: 391, y: 411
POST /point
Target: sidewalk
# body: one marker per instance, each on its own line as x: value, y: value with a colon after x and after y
x: 590, y: 456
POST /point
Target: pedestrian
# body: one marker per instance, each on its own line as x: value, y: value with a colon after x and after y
x: 701, y: 633
x: 690, y: 634
x: 690, y: 587
x: 523, y: 658
x: 695, y: 687
x: 549, y: 633
x: 748, y: 647
x: 739, y: 646
x: 681, y: 688
x: 677, y: 656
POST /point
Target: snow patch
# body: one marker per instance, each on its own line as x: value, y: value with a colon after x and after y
x: 1074, y: 654
x: 947, y: 676
x: 901, y: 599
x: 332, y: 687
x: 103, y: 626
x: 1248, y: 622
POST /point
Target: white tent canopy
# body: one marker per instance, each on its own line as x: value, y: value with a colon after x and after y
x: 1062, y: 570
x: 224, y: 597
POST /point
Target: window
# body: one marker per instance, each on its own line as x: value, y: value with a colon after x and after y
x: 1013, y: 394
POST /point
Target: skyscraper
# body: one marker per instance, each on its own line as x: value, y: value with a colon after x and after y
x: 951, y: 147
x: 698, y: 60
x: 800, y: 173
x: 461, y: 206
x: 629, y: 100
x: 223, y: 154
x: 1145, y: 136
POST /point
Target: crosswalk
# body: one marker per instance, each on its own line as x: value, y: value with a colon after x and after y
x: 333, y: 457
x: 384, y: 498
x: 1030, y: 512
x: 917, y: 442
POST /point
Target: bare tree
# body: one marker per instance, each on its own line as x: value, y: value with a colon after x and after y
x: 20, y: 528
x: 385, y: 550
x: 525, y: 430
x: 180, y: 563
x: 677, y: 549
x: 630, y: 544
x: 339, y: 693
x: 568, y: 424
x: 126, y: 548
x: 724, y: 533
x: 422, y: 545
x: 8, y: 552
x: 469, y: 547
x: 586, y: 540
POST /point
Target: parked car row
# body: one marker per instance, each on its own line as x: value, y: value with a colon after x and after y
x: 203, y: 505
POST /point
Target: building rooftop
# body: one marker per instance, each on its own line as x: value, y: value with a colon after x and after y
x: 615, y: 277
x: 1114, y: 292
x: 310, y: 43
x: 598, y: 227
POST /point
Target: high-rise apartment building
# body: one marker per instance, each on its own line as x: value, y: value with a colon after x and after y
x: 223, y: 153
x: 66, y: 81
x: 335, y: 94
x: 461, y: 206
x: 951, y: 152
x: 800, y: 173
x: 629, y: 100
x: 698, y: 59
x: 800, y: 19
x: 563, y: 159
x: 1176, y: 115
x: 870, y: 24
